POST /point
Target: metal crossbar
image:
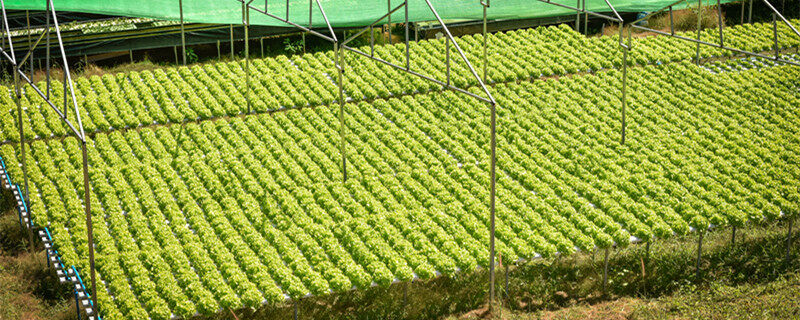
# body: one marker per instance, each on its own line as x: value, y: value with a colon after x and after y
x: 69, y: 93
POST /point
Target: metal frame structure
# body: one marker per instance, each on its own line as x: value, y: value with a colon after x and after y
x: 339, y: 60
x: 721, y: 45
x: 76, y: 129
x: 340, y: 47
x: 580, y: 8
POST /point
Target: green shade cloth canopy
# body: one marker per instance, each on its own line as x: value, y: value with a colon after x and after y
x: 341, y: 13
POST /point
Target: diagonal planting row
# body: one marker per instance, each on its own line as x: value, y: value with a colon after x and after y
x: 177, y: 95
x: 242, y: 211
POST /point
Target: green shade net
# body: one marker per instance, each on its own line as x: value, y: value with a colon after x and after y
x: 341, y: 13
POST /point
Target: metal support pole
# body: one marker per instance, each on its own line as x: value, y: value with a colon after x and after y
x: 408, y: 57
x: 624, y: 98
x: 743, y: 3
x: 246, y: 18
x: 447, y: 55
x: 339, y: 53
x: 389, y: 33
x: 66, y: 110
x: 295, y: 310
x: 719, y: 21
x: 775, y: 35
x: 371, y: 41
x: 77, y: 305
x: 88, y: 207
x: 183, y: 34
x: 30, y: 43
x: 310, y: 24
x: 750, y: 13
x: 699, y: 253
x: 578, y: 18
x: 788, y: 241
x: 18, y: 101
x: 733, y: 235
x: 485, y: 55
x: 175, y: 50
x: 219, y: 51
x: 671, y: 22
x: 605, y: 273
x: 130, y: 54
x: 585, y: 19
x: 47, y: 50
x: 261, y: 41
x: 699, y: 27
x: 231, y: 27
x: 492, y: 194
x: 416, y: 32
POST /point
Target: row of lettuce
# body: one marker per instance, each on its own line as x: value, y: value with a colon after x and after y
x: 177, y: 95
x: 250, y: 210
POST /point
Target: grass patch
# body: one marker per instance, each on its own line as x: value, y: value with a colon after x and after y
x: 30, y: 289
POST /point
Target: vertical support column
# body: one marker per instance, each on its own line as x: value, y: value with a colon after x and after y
x: 750, y: 13
x: 775, y: 35
x: 130, y: 54
x: 88, y: 207
x: 231, y: 42
x: 733, y: 235
x: 624, y: 98
x: 310, y: 22
x: 743, y: 3
x: 246, y: 20
x: 47, y: 49
x: 65, y: 88
x: 261, y: 41
x: 578, y: 17
x: 585, y: 19
x: 183, y: 34
x: 485, y: 55
x: 408, y: 57
x: 77, y: 304
x: 219, y: 51
x: 18, y: 101
x: 699, y: 27
x: 175, y: 50
x: 720, y: 23
x: 447, y: 57
x: 30, y: 43
x: 371, y: 41
x: 492, y: 195
x: 389, y: 8
x: 340, y: 69
x: 671, y: 22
